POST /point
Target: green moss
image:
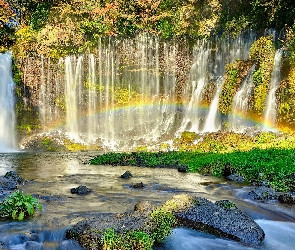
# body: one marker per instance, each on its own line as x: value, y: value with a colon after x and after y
x: 234, y: 74
x: 164, y: 220
x: 49, y: 144
x: 262, y: 52
x: 178, y: 203
x: 161, y: 221
x: 75, y: 147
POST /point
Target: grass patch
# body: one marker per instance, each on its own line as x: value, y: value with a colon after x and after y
x: 266, y: 156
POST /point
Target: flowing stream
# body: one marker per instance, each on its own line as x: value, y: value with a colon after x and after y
x: 51, y: 176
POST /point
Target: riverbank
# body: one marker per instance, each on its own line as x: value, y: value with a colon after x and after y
x: 51, y: 175
x: 266, y: 159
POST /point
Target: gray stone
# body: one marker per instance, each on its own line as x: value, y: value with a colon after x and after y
x: 80, y: 190
x: 235, y: 177
x: 262, y: 193
x: 221, y: 221
x: 144, y: 206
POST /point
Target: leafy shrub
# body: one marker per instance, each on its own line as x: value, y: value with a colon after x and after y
x: 18, y: 206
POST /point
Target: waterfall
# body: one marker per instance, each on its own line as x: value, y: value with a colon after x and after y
x: 199, y: 79
x: 7, y: 113
x: 270, y: 113
x: 209, y: 60
x: 73, y: 81
x: 212, y: 124
x: 92, y: 99
x: 134, y: 92
x: 240, y: 103
x: 51, y: 92
x: 120, y: 96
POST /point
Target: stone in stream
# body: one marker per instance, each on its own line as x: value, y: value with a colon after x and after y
x: 221, y: 218
x: 126, y: 175
x: 10, y: 181
x: 286, y: 198
x: 137, y: 185
x: 80, y: 190
x: 2, y: 246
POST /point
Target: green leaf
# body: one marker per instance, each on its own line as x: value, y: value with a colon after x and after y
x: 21, y: 216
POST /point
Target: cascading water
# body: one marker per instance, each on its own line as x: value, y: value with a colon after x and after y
x: 209, y: 60
x: 240, y: 103
x: 199, y: 79
x: 73, y: 80
x: 121, y: 95
x: 7, y: 108
x: 212, y: 124
x: 270, y: 113
x: 139, y: 91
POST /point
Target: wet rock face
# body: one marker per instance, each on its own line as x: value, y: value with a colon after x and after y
x: 81, y: 190
x: 222, y: 219
x: 10, y: 181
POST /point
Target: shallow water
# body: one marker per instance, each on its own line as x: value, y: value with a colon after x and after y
x: 52, y: 175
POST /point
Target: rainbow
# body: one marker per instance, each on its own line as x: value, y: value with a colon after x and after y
x: 117, y: 109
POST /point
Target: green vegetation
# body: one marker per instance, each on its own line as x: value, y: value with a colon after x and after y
x: 160, y: 226
x: 18, y: 206
x: 58, y: 28
x: 164, y: 220
x: 234, y: 74
x: 226, y: 204
x: 262, y: 53
x: 266, y: 156
x: 55, y: 28
x: 287, y: 87
x: 129, y: 240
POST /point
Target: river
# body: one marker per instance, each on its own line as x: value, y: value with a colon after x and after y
x: 50, y: 176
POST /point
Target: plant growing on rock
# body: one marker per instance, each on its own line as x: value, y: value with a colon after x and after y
x: 18, y: 206
x: 164, y: 222
x: 262, y: 53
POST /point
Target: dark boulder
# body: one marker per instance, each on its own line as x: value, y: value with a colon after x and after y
x: 263, y: 194
x: 222, y: 218
x: 286, y: 198
x: 182, y: 169
x: 80, y: 190
x: 126, y: 175
x: 138, y: 185
x: 88, y: 233
x: 10, y: 181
